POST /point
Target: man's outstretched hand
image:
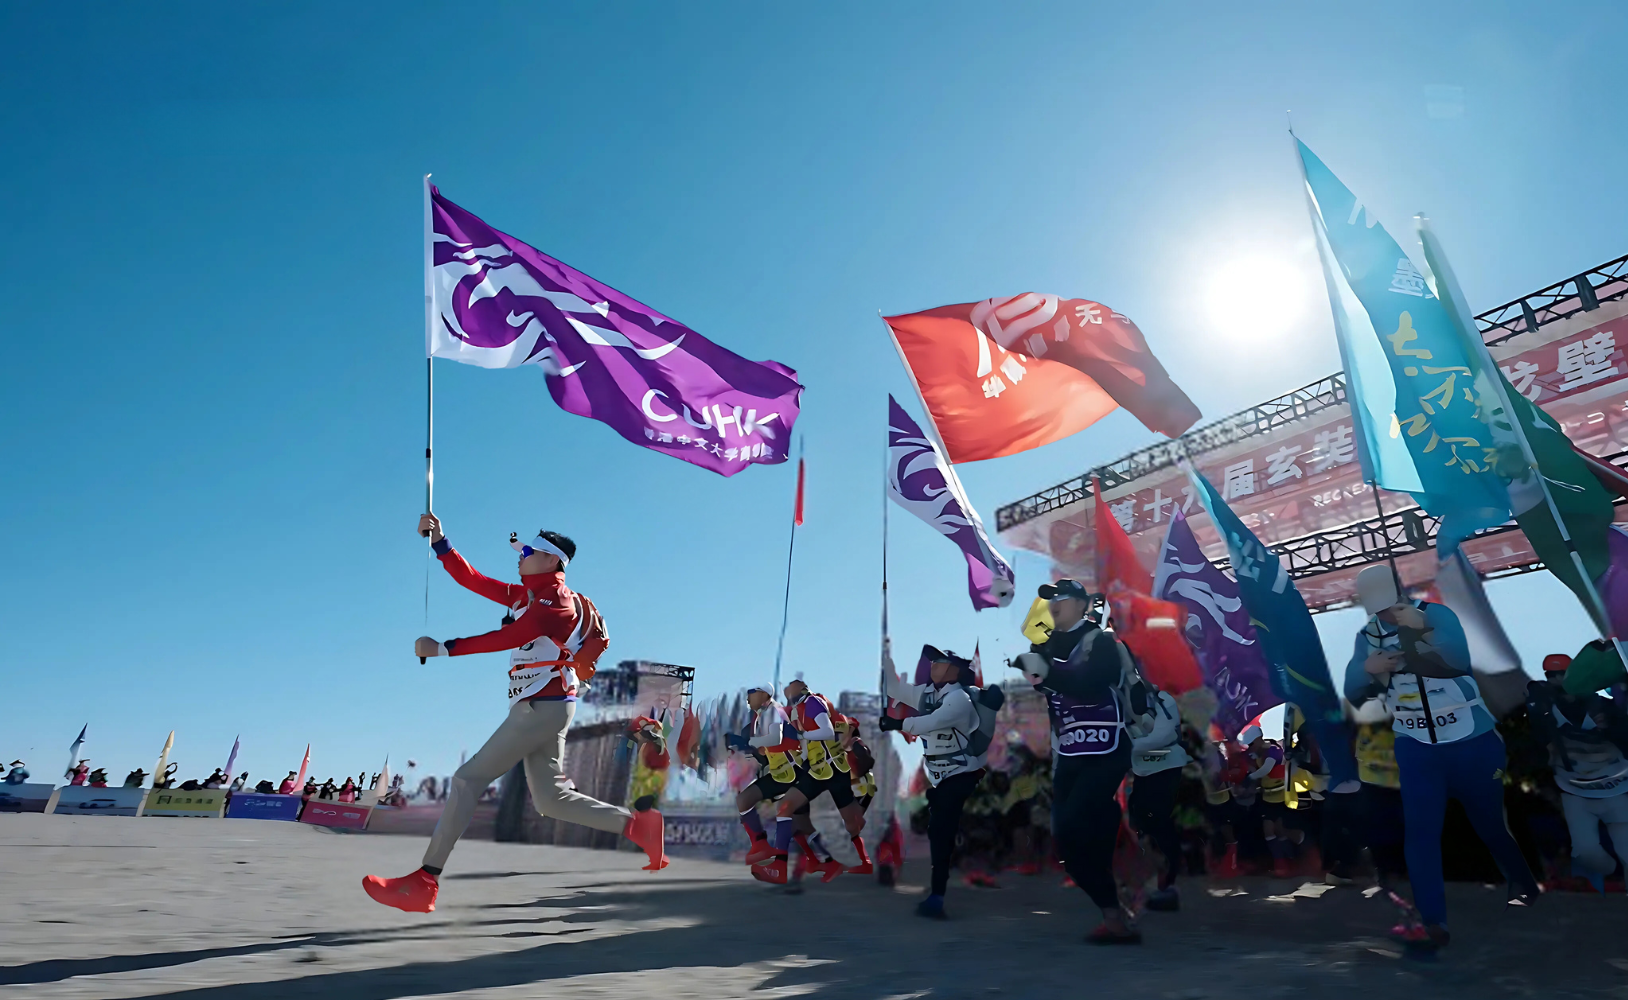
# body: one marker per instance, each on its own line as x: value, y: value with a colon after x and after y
x: 425, y: 646
x: 430, y: 526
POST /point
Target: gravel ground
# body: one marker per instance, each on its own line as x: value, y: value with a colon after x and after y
x: 96, y: 907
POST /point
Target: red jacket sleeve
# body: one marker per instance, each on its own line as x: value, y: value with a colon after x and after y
x: 506, y: 594
x: 540, y: 620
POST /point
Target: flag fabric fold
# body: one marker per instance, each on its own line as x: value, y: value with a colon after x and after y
x: 1008, y: 374
x: 231, y: 758
x: 920, y: 480
x: 496, y: 302
x: 1151, y: 627
x: 1288, y: 637
x: 1218, y: 626
x: 305, y: 763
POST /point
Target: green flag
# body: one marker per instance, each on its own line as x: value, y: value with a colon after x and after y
x: 1557, y: 501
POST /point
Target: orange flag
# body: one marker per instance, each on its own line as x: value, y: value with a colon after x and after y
x: 1154, y: 630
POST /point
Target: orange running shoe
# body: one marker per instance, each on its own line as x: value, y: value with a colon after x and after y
x: 829, y: 869
x: 863, y: 868
x: 414, y: 893
x: 773, y: 873
x: 646, y: 828
x: 761, y: 851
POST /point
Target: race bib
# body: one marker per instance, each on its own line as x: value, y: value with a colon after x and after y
x: 942, y: 767
x: 1451, y: 716
x: 1086, y: 730
x: 528, y: 681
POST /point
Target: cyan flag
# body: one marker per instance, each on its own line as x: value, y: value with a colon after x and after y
x: 1409, y: 378
x: 1287, y: 635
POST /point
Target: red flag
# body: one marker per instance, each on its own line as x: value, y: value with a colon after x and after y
x: 977, y: 666
x: 300, y: 781
x: 1008, y: 374
x: 1153, y: 629
x: 797, y: 517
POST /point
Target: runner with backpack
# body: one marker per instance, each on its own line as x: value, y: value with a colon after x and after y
x: 955, y: 721
x: 1094, y: 697
x: 555, y: 638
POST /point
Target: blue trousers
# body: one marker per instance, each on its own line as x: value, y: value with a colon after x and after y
x: 1471, y: 771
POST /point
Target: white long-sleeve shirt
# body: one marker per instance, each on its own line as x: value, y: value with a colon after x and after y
x: 949, y: 719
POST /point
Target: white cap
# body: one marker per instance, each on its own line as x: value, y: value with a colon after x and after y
x: 541, y: 544
x: 1249, y: 735
x: 767, y: 689
x: 1376, y: 589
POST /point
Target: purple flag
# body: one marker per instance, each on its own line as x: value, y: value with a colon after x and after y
x: 491, y: 300
x: 1229, y: 651
x: 922, y: 482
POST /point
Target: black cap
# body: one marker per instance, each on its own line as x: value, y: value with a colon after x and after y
x: 1064, y: 588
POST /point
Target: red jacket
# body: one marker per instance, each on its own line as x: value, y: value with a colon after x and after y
x: 546, y: 609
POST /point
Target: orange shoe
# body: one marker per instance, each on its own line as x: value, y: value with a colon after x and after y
x: 414, y: 893
x: 761, y: 851
x: 863, y: 868
x: 646, y: 828
x: 829, y: 869
x: 773, y: 873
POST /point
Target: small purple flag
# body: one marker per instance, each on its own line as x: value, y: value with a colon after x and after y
x: 493, y: 301
x: 1228, y: 650
x: 922, y: 482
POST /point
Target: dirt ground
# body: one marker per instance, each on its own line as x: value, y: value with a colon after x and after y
x: 247, y: 910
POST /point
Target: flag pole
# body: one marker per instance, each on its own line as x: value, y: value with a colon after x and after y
x: 791, y: 550
x: 429, y: 391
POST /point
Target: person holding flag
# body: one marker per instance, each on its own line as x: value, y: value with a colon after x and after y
x: 1092, y: 694
x: 948, y: 723
x: 554, y: 637
x: 1413, y: 654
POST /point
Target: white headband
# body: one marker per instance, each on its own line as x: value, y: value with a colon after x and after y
x: 541, y: 544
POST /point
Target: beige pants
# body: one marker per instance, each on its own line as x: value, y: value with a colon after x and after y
x: 534, y: 732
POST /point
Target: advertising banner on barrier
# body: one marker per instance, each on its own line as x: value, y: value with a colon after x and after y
x: 208, y: 803
x: 28, y: 797
x: 82, y: 800
x: 254, y: 805
x: 345, y: 815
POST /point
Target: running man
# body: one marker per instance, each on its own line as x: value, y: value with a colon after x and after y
x: 774, y: 743
x: 554, y: 637
x: 1414, y: 655
x: 825, y: 771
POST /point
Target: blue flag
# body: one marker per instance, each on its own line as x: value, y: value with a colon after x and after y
x: 1409, y: 376
x: 1288, y: 638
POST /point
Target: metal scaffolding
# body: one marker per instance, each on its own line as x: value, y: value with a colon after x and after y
x: 1582, y: 293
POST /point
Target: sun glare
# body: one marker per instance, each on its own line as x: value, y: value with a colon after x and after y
x: 1254, y: 298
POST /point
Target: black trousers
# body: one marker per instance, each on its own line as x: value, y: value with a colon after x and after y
x: 1152, y: 805
x: 944, y: 802
x: 1085, y: 819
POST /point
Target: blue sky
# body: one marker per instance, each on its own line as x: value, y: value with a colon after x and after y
x: 213, y: 394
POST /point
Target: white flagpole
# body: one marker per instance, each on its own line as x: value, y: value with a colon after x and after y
x: 429, y: 388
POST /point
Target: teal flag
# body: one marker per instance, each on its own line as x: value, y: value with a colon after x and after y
x: 1288, y: 637
x: 1410, y: 377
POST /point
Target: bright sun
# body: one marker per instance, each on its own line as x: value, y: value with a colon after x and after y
x: 1255, y: 298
